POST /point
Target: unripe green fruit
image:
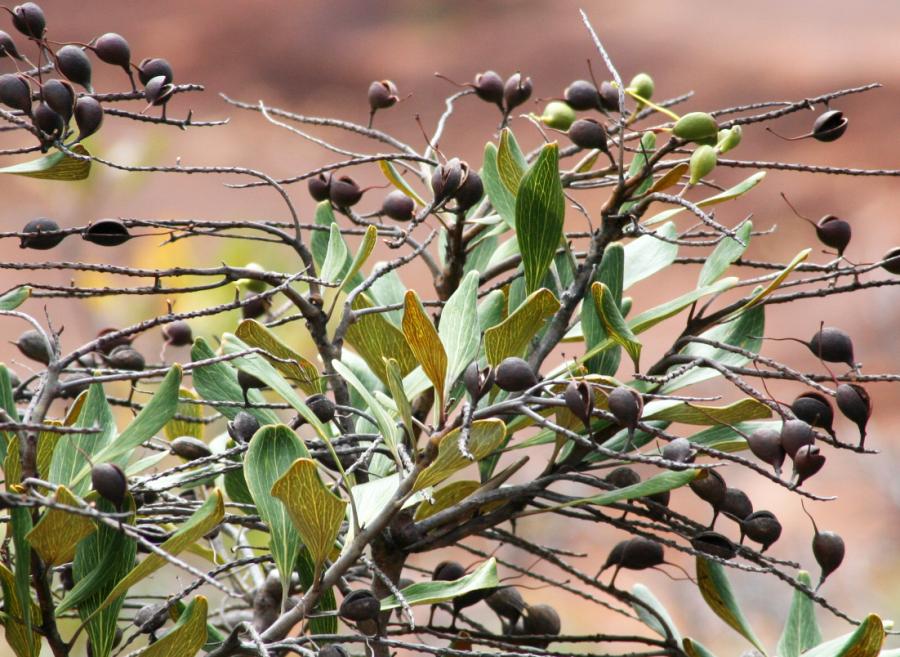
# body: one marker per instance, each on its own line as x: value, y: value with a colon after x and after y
x: 253, y: 284
x: 729, y: 139
x: 696, y: 126
x: 703, y: 161
x: 642, y: 85
x: 558, y: 115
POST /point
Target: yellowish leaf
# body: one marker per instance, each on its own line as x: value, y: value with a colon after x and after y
x: 445, y: 498
x: 175, y: 428
x: 425, y: 343
x: 301, y: 370
x: 511, y: 336
x: 374, y: 338
x: 187, y: 637
x: 485, y: 437
x: 57, y: 533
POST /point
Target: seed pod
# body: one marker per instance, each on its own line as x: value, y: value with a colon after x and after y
x: 112, y: 48
x: 582, y: 95
x: 834, y: 232
x: 15, y: 92
x: 360, y: 605
x: 710, y: 487
x: 322, y: 407
x: 891, y: 262
x: 48, y: 122
x: 642, y: 85
x: 126, y: 357
x: 622, y: 477
x: 88, y: 116
x: 249, y: 382
x: 516, y: 91
x: 696, y: 126
x: 580, y: 401
x: 110, y: 483
x: 382, y: 94
x: 830, y: 126
x: 75, y: 65
x: 319, y: 187
x: 766, y: 445
x: 8, y: 46
x: 150, y: 618
x: 66, y: 578
x: 333, y: 650
x: 151, y: 68
x: 478, y: 381
x: 189, y: 448
x: 106, y: 344
x: 157, y: 91
x: 242, y: 427
x: 736, y: 504
x: 626, y: 405
x: 590, y: 134
x: 33, y: 345
x: 178, y: 333
x: 448, y: 571
x: 794, y: 435
x: 540, y: 620
x: 470, y: 190
x: 703, y: 161
x: 446, y: 180
x: 344, y: 192
x: 507, y: 603
x: 614, y: 558
x: 106, y: 232
x: 60, y: 97
x: 397, y: 205
x: 468, y: 599
x: 489, y: 87
x: 761, y: 527
x: 828, y: 549
x: 815, y: 409
x: 41, y: 234
x: 729, y: 139
x: 679, y: 451
x: 515, y: 375
x: 255, y: 306
x: 609, y: 97
x: 642, y: 553
x: 29, y: 19
x: 807, y: 461
x: 715, y: 544
x: 557, y: 114
x: 832, y: 345
x: 855, y: 404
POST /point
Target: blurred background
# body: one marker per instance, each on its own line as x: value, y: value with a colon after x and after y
x: 317, y: 58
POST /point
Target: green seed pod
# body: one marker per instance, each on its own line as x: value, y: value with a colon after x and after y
x: 253, y: 284
x: 642, y: 85
x: 696, y: 126
x: 558, y: 114
x: 729, y: 139
x: 703, y: 161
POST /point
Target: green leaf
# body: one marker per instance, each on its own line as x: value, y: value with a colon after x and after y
x: 386, y: 424
x: 401, y: 401
x: 446, y: 497
x: 15, y: 298
x: 336, y: 258
x: 319, y: 241
x: 430, y: 593
x: 614, y: 323
x: 690, y: 413
x: 390, y: 172
x: 654, y: 316
x: 801, y: 630
x: 500, y: 197
x: 188, y: 635
x: 511, y: 336
x: 426, y: 345
x: 716, y: 591
x: 365, y: 250
x: 316, y: 511
x: 375, y: 338
x: 664, y: 628
x: 177, y: 427
x: 665, y: 481
x: 23, y: 642
x: 647, y: 255
x: 58, y: 532
x: 55, y: 166
x: 648, y: 145
x: 725, y: 253
x: 301, y: 370
x: 738, y: 190
x: 511, y: 163
x: 540, y: 210
x: 8, y: 404
x: 777, y: 281
x: 327, y: 602
x: 865, y: 641
x: 611, y: 274
x: 458, y: 330
x: 485, y: 436
x: 20, y: 525
x: 694, y: 648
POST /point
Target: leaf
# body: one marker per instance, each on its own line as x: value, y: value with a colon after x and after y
x: 446, y: 497
x: 690, y: 413
x: 188, y: 635
x: 648, y: 254
x: 648, y: 145
x: 8, y: 404
x: 23, y: 642
x: 202, y: 521
x: 401, y: 401
x: 725, y: 253
x: 865, y: 641
x: 365, y: 250
x: 375, y: 338
x: 177, y: 427
x: 271, y: 452
x: 301, y: 370
x: 336, y: 258
x: 540, y: 210
x: 511, y: 336
x: 694, y: 648
x: 327, y: 602
x: 316, y: 511
x: 55, y: 166
x: 654, y: 316
x: 658, y: 625
x: 500, y: 197
x: 20, y: 524
x: 458, y: 330
x: 729, y: 194
x: 801, y: 630
x: 716, y: 591
x: 777, y: 281
x: 665, y: 481
x: 15, y: 298
x: 58, y: 532
x: 390, y: 172
x: 426, y: 345
x: 672, y: 177
x: 430, y: 593
x: 319, y: 241
x: 614, y: 323
x: 485, y: 436
x: 385, y: 423
x: 611, y: 274
x: 511, y: 163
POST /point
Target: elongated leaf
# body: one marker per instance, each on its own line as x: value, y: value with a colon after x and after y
x: 648, y: 145
x: 316, y: 511
x: 319, y: 241
x: 55, y: 166
x: 15, y: 298
x: 651, y: 318
x: 375, y: 338
x: 611, y: 274
x: 58, y: 532
x: 183, y: 427
x: 648, y: 255
x: 662, y: 625
x: 385, y: 423
x: 540, y: 210
x: 694, y: 648
x: 484, y: 437
x: 301, y: 370
x: 187, y: 637
x: 801, y: 630
x: 365, y: 250
x: 732, y: 193
x: 8, y: 404
x: 614, y: 324
x: 390, y: 172
x: 865, y: 641
x: 401, y: 401
x: 500, y: 197
x: 511, y: 164
x: 458, y: 330
x: 327, y: 602
x: 19, y: 526
x: 23, y: 642
x: 777, y: 281
x: 690, y: 413
x: 716, y: 591
x: 425, y: 343
x: 725, y: 253
x: 511, y: 336
x: 665, y: 481
x: 446, y: 497
x: 670, y: 178
x: 337, y: 258
x: 430, y: 593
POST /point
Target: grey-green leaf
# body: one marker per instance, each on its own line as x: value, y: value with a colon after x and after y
x: 429, y: 593
x: 725, y: 253
x: 801, y: 630
x: 717, y: 592
x: 458, y: 329
x: 661, y: 622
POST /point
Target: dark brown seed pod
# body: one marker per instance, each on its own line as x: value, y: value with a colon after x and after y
x: 489, y: 87
x: 106, y: 344
x: 33, y: 345
x: 113, y: 49
x: 66, y: 578
x: 41, y: 234
x: 807, y: 461
x: 736, y: 504
x: 8, y: 47
x: 580, y: 401
x: 796, y: 434
x: 446, y: 179
x: 190, y: 448
x: 155, y: 67
x: 582, y: 95
x: 470, y: 190
x: 106, y: 232
x: 589, y: 134
x: 360, y: 605
x: 679, y: 451
x: 854, y: 402
x: 382, y: 94
x: 110, y: 483
x: 516, y: 91
x: 154, y: 534
x: 540, y: 620
x: 468, y: 599
x: 834, y: 232
x: 60, y: 97
x: 478, y: 381
x: 515, y: 375
x: 828, y: 549
x: 507, y: 603
x: 622, y: 477
x: 29, y: 19
x: 157, y: 91
x: 322, y: 407
x: 48, y: 122
x: 626, y: 406
x: 761, y: 527
x: 832, y: 345
x: 891, y: 262
x: 319, y: 187
x: 126, y: 357
x: 448, y: 571
x: 75, y: 65
x: 249, y: 382
x: 344, y: 192
x: 715, y: 544
x: 829, y: 126
x: 710, y: 487
x: 398, y: 206
x: 609, y: 97
x: 242, y: 427
x: 15, y: 92
x: 150, y: 618
x: 641, y: 553
x: 178, y: 333
x: 255, y: 306
x: 766, y: 445
x: 815, y: 409
x: 333, y: 650
x: 88, y: 116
